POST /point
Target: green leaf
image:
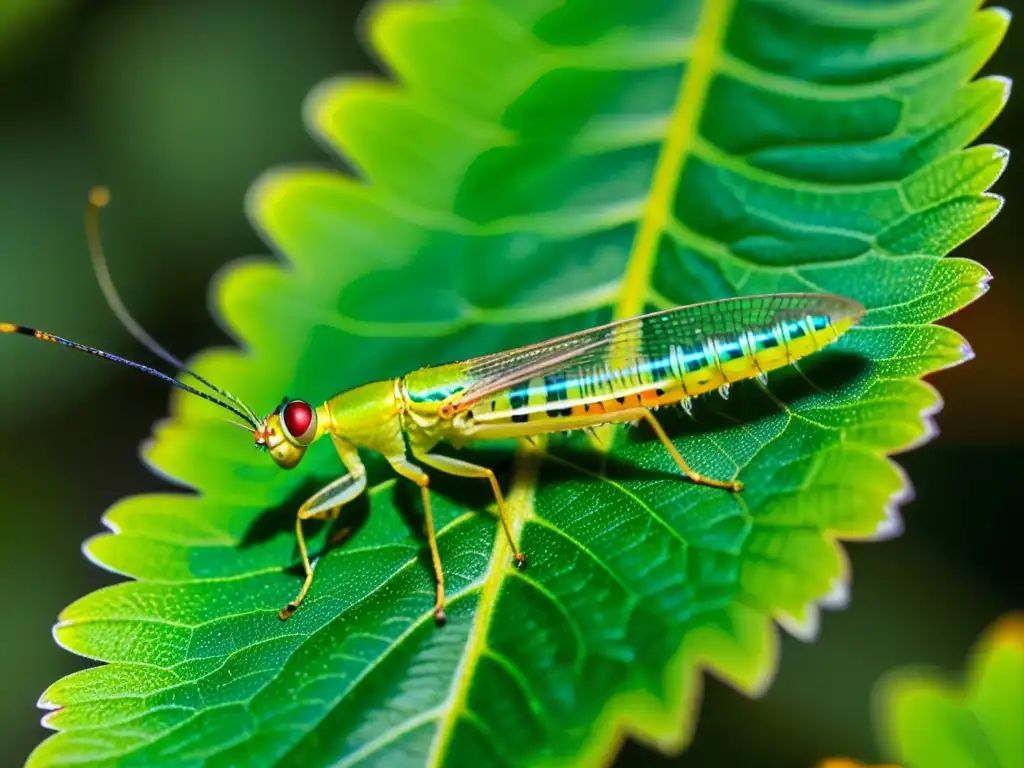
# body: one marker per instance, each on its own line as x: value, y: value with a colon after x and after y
x: 540, y: 166
x: 926, y: 720
x: 929, y: 721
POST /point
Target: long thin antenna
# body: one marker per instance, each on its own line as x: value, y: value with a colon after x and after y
x: 43, y: 336
x: 99, y: 197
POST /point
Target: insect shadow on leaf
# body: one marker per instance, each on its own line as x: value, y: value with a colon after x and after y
x: 468, y: 493
x: 280, y: 521
x: 829, y: 371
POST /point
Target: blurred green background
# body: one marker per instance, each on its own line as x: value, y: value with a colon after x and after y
x: 178, y: 107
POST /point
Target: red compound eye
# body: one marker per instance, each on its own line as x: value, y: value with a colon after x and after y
x: 299, y: 421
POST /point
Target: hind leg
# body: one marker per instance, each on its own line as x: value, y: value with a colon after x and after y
x: 635, y: 414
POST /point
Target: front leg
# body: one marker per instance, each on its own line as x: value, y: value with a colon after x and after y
x: 326, y: 504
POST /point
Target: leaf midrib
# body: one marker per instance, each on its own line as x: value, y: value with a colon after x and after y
x: 520, y: 508
x: 682, y: 131
x: 633, y: 295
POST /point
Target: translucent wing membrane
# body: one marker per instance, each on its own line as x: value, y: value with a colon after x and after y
x: 725, y: 329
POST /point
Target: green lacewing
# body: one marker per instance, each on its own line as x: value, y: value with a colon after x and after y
x: 615, y: 373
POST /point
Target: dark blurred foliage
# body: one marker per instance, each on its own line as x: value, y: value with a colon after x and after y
x: 178, y: 107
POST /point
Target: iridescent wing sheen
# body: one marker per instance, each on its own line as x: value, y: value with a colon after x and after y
x: 649, y: 336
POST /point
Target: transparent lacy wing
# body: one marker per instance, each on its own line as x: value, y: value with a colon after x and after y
x: 648, y: 336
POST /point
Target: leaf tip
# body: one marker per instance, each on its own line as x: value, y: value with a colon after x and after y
x: 1002, y: 83
x: 45, y: 702
x: 928, y: 415
x: 804, y: 628
x: 60, y: 629
x: 984, y: 282
x: 318, y: 107
x: 379, y: 26
x: 263, y: 197
x: 891, y: 524
x: 966, y: 351
x: 218, y: 300
x: 109, y: 524
x: 335, y: 105
x: 147, y: 455
x: 280, y: 194
x: 1003, y: 14
x: 999, y: 157
x: 90, y: 551
x: 991, y: 205
x: 52, y: 709
x: 838, y: 596
x: 47, y: 720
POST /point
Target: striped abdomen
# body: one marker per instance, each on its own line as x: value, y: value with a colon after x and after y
x: 667, y: 373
